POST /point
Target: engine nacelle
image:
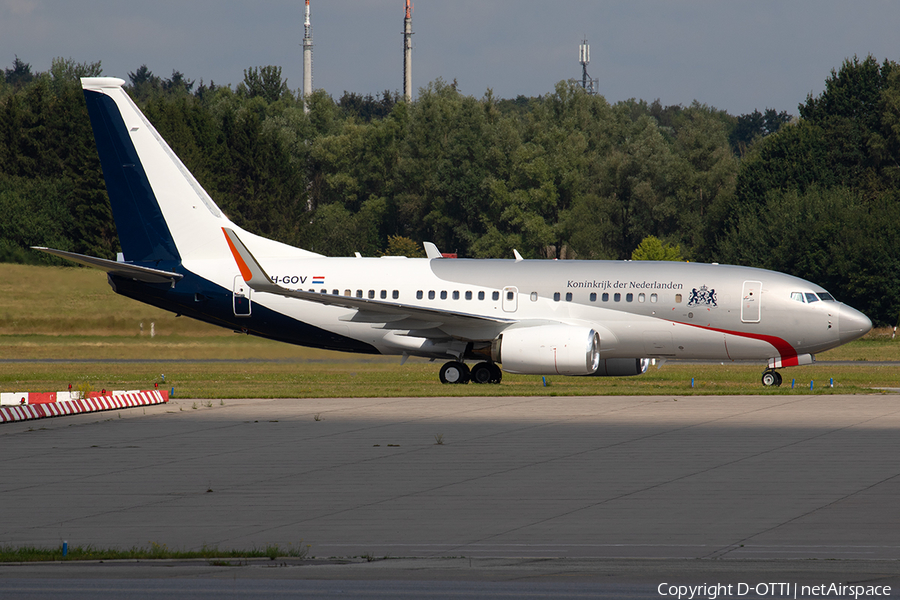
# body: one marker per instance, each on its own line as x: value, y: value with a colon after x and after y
x: 548, y: 350
x: 622, y: 367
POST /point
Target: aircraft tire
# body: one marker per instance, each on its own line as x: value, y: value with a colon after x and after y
x: 771, y: 379
x: 454, y: 372
x: 482, y: 373
x: 496, y: 373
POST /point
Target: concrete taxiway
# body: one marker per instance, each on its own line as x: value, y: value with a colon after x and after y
x: 781, y: 481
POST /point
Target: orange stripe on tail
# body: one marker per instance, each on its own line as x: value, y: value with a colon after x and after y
x: 245, y: 270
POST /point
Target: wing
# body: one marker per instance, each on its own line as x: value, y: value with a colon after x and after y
x: 135, y: 272
x: 395, y: 315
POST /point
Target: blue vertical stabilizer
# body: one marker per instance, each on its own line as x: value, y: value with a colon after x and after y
x: 142, y: 230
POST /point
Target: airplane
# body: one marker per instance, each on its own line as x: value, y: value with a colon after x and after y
x: 181, y: 253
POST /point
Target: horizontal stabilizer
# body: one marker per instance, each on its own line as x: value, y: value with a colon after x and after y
x: 135, y: 272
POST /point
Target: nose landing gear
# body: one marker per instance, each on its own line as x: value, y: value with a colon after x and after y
x: 771, y: 378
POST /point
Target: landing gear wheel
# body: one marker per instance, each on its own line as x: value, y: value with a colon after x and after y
x: 454, y: 372
x: 482, y: 373
x: 771, y: 379
x: 496, y: 373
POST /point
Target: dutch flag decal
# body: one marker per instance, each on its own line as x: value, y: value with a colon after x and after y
x: 318, y: 280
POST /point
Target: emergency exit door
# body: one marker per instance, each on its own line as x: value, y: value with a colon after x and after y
x: 510, y: 299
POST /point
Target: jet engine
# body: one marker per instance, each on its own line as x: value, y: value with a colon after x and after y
x: 548, y: 350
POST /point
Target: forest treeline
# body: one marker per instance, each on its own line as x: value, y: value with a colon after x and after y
x: 563, y: 175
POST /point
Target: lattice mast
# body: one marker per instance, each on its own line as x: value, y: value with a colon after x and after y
x: 584, y: 57
x: 307, y: 58
x: 407, y: 52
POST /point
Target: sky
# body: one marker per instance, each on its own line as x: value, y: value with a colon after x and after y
x: 734, y: 55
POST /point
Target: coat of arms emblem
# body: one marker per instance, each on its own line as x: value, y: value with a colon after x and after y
x: 702, y: 297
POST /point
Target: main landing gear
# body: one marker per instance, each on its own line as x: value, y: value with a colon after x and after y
x: 458, y: 372
x: 771, y: 378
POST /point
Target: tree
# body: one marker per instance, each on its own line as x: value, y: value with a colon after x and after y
x: 652, y: 248
x: 850, y: 114
x: 66, y: 69
x: 177, y: 83
x: 752, y: 126
x: 20, y: 74
x: 143, y: 83
x: 403, y: 246
x: 264, y: 82
x: 141, y: 76
x: 367, y: 107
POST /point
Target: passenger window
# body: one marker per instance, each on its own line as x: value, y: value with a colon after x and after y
x: 443, y: 294
x: 347, y: 292
x: 556, y: 296
x: 653, y: 297
x: 593, y: 296
x: 371, y: 293
x: 798, y: 296
x: 510, y: 295
x: 455, y: 295
x: 568, y: 296
x: 810, y: 298
x: 629, y: 297
x: 359, y: 293
x: 642, y: 297
x: 605, y: 297
x: 495, y: 295
x: 431, y: 294
x: 617, y: 297
x: 396, y: 294
x: 677, y: 298
x: 468, y: 295
x: 383, y: 294
x: 534, y: 296
x: 419, y: 295
x: 336, y: 292
x: 481, y: 295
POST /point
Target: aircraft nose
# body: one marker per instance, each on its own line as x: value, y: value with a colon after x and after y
x: 852, y: 325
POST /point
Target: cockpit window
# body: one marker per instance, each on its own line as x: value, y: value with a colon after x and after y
x: 809, y: 297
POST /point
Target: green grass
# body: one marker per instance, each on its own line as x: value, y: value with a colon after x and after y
x: 379, y: 378
x: 152, y: 552
x: 79, y: 301
x: 71, y: 313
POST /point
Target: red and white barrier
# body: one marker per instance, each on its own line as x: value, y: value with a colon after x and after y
x: 27, y: 412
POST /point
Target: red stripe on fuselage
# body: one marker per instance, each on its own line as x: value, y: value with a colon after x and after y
x: 787, y: 352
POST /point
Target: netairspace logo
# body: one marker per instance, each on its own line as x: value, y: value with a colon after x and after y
x: 772, y: 590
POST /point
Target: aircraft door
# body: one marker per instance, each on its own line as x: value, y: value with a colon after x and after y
x: 751, y: 298
x: 241, y: 297
x: 510, y: 299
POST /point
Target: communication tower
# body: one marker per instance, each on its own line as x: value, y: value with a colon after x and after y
x: 584, y: 57
x: 307, y: 58
x: 407, y: 52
